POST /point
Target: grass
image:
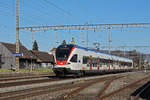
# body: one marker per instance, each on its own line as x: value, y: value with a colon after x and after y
x: 37, y: 70
x: 28, y: 70
x: 5, y: 70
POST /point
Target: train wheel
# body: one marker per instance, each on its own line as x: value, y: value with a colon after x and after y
x: 82, y: 73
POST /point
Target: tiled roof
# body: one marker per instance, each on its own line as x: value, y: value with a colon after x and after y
x: 43, y: 56
x: 12, y: 48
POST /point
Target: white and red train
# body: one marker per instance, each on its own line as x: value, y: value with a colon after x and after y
x: 75, y: 60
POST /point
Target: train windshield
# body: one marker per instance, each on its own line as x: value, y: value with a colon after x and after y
x: 63, y: 51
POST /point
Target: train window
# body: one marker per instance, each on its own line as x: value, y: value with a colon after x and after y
x: 74, y: 58
x: 129, y: 64
x: 117, y: 62
x: 123, y: 64
x: 88, y: 65
x: 85, y: 59
x: 111, y: 62
x: 94, y: 62
x: 104, y: 61
x: 63, y: 51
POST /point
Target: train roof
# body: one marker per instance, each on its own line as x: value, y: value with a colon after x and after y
x: 107, y: 56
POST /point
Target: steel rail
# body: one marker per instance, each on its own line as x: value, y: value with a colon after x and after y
x: 21, y: 78
x: 108, y: 83
x: 21, y: 94
x: 26, y: 93
x: 123, y: 88
x: 75, y: 92
x: 11, y: 84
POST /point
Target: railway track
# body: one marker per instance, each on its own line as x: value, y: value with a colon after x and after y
x: 22, y: 78
x: 11, y: 84
x: 123, y: 88
x: 107, y: 84
x: 27, y: 93
x: 77, y: 91
x: 15, y: 75
x: 101, y: 95
x: 72, y: 90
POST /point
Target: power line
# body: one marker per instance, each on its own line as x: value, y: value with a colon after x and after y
x: 126, y: 47
x: 7, y: 9
x: 2, y: 3
x: 45, y: 3
x: 61, y: 9
x: 30, y: 19
x: 37, y: 12
x: 2, y: 13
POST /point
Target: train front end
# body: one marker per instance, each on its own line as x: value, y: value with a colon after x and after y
x: 62, y: 54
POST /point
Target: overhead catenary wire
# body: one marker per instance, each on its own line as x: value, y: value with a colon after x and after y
x: 61, y: 9
x: 45, y: 5
x: 6, y: 10
x: 38, y: 10
x: 35, y: 18
x: 30, y: 20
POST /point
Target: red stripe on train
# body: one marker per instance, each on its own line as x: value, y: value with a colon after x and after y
x: 61, y: 62
x: 65, y: 61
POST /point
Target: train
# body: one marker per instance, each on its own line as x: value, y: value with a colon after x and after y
x: 75, y: 60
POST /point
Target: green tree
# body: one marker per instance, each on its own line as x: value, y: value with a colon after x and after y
x: 35, y: 46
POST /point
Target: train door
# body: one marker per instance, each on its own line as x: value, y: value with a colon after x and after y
x: 80, y: 62
x: 74, y: 61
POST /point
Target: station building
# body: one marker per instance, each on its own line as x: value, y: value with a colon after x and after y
x: 36, y: 59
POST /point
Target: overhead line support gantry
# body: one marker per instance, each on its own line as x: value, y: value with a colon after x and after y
x: 87, y: 27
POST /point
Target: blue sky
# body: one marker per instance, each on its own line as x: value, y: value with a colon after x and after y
x: 60, y: 12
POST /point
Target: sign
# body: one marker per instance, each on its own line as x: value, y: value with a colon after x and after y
x: 17, y: 54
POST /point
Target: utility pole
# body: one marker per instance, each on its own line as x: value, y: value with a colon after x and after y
x: 32, y: 45
x: 17, y: 35
x: 32, y: 37
x: 140, y: 65
x: 81, y: 37
x: 56, y: 40
x: 109, y: 39
x: 87, y: 38
x: 87, y: 35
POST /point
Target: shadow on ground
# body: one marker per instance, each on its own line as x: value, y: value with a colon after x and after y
x: 143, y: 92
